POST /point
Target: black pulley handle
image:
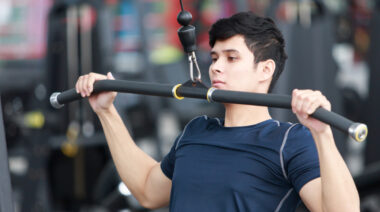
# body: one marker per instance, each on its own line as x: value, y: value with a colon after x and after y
x: 357, y: 131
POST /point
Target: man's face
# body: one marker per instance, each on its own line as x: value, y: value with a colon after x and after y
x: 232, y: 66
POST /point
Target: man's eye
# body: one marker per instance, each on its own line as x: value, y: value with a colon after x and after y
x: 214, y: 59
x: 232, y: 58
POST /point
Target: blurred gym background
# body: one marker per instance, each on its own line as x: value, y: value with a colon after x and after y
x: 58, y: 160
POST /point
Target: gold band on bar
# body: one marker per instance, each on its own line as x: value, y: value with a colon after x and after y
x: 209, y: 94
x: 174, y: 92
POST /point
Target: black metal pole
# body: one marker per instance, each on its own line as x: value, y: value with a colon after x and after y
x: 6, y: 203
x: 357, y: 131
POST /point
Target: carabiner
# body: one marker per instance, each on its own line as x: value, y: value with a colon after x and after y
x: 193, y: 59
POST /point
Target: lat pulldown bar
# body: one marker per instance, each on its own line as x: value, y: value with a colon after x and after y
x: 357, y: 131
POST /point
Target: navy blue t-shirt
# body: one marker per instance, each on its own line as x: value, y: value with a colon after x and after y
x: 260, y: 167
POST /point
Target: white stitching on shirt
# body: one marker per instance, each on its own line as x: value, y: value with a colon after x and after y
x: 282, y: 148
x: 218, y: 121
x: 184, y: 130
x: 278, y: 123
x: 283, y: 200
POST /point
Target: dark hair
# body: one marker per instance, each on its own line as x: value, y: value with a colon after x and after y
x: 261, y: 36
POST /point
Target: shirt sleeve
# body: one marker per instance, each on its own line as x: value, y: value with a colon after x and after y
x: 301, y: 157
x: 167, y: 164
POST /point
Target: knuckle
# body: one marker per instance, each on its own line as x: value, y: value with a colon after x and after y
x: 92, y: 75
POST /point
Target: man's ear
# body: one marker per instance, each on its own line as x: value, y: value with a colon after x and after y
x: 267, y: 69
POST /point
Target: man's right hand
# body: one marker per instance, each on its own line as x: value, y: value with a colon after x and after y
x: 99, y: 102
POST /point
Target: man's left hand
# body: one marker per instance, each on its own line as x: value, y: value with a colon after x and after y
x: 304, y: 103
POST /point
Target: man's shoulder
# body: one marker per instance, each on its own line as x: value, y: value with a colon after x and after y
x: 282, y: 128
x: 292, y: 129
x: 291, y: 133
x: 297, y: 137
x: 298, y: 131
x: 196, y: 121
x: 203, y: 120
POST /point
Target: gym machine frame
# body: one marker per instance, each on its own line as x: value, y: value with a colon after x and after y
x: 194, y: 88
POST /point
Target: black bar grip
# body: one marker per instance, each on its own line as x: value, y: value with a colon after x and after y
x: 357, y: 131
x: 58, y: 99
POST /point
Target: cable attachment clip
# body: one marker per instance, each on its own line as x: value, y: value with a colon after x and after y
x: 193, y: 59
x: 188, y: 40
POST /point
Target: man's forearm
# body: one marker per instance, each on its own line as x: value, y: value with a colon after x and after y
x: 132, y: 163
x: 339, y: 192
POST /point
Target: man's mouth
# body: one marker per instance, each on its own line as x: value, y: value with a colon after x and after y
x: 217, y: 83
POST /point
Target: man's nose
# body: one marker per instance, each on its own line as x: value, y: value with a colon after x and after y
x: 217, y: 66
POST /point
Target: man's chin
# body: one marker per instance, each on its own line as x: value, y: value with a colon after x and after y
x: 219, y: 86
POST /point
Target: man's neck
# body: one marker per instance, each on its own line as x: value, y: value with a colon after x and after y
x: 244, y: 115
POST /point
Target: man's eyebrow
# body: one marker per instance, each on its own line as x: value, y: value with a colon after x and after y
x: 225, y: 51
x: 230, y: 51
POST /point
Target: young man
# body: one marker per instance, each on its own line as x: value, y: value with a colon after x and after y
x: 246, y: 161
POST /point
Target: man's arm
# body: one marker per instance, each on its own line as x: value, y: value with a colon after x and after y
x: 141, y: 173
x: 335, y: 190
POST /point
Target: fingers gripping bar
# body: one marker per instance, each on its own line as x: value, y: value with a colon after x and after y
x: 357, y: 131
